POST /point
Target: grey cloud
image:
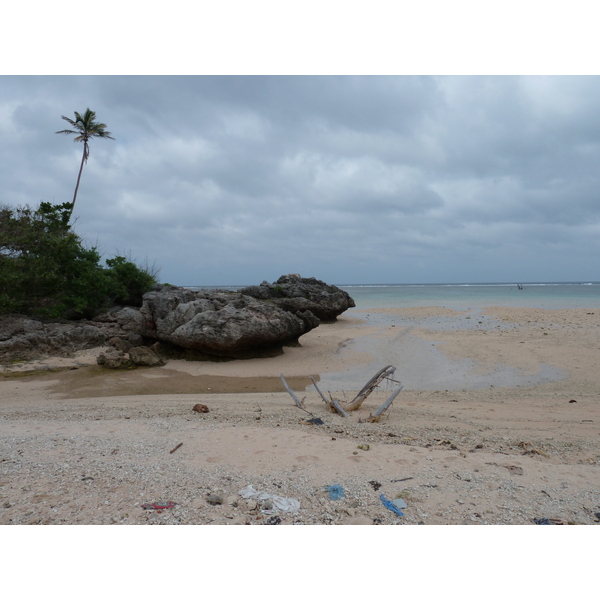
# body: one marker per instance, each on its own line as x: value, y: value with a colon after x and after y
x: 367, y: 179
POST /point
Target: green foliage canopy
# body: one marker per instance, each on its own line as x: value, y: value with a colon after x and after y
x: 45, y: 270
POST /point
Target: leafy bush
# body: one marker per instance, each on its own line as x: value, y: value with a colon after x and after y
x: 128, y: 282
x: 45, y: 270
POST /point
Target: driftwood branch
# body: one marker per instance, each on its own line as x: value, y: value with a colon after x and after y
x: 374, y: 418
x: 369, y: 387
x: 318, y: 390
x: 333, y: 405
x: 336, y: 404
x: 299, y: 403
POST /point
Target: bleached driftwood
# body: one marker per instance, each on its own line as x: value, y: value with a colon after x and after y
x: 299, y: 403
x: 369, y: 387
x: 320, y: 392
x: 333, y: 404
x: 374, y: 418
x: 336, y: 405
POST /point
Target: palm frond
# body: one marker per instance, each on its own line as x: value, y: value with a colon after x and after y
x: 102, y: 134
x: 86, y: 127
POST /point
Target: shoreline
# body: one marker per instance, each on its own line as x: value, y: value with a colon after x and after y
x: 492, y: 455
x: 467, y: 345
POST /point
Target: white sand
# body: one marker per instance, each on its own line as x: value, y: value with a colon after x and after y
x: 497, y: 424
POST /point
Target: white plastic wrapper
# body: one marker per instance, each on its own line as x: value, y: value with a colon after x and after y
x: 283, y: 504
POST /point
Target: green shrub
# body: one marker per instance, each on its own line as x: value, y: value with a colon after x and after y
x: 45, y: 270
x: 128, y: 281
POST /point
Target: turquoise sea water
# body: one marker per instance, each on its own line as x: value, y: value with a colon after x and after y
x: 462, y: 296
x: 465, y: 296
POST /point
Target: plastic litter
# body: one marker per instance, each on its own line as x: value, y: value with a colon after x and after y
x: 336, y: 492
x: 399, y: 503
x: 390, y: 505
x: 316, y: 421
x: 283, y: 504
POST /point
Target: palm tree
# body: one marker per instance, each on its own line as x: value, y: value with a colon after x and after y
x: 86, y: 128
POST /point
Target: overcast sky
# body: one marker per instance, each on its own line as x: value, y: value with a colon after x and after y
x: 238, y: 179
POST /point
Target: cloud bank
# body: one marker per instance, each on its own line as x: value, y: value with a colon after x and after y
x: 233, y: 180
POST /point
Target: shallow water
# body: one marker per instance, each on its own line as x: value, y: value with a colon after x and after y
x: 421, y: 365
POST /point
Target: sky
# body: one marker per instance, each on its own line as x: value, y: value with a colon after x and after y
x: 233, y: 180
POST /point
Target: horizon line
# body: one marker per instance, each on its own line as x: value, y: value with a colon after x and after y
x: 457, y: 283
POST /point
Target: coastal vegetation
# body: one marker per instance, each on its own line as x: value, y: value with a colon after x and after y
x: 46, y: 269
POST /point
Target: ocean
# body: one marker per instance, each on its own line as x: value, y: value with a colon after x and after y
x: 477, y: 295
x: 462, y: 296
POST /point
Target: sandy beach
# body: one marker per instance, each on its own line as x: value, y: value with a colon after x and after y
x: 498, y: 423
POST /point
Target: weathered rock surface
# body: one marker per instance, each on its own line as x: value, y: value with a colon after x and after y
x: 295, y: 293
x: 115, y: 359
x: 139, y: 356
x: 22, y: 338
x: 256, y: 321
x: 220, y: 323
x: 145, y: 357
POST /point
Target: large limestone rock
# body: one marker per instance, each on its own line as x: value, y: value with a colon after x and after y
x: 221, y: 323
x: 295, y: 293
x: 257, y: 321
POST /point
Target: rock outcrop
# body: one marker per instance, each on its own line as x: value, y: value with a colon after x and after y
x: 22, y: 338
x: 115, y: 359
x: 295, y: 293
x: 255, y: 321
x: 220, y: 323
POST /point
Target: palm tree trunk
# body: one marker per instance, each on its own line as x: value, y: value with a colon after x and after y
x: 78, y: 179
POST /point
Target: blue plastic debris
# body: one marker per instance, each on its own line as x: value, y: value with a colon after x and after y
x: 335, y: 492
x: 390, y: 505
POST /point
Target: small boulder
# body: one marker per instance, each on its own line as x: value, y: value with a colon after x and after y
x: 201, y: 408
x: 114, y: 359
x: 145, y: 357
